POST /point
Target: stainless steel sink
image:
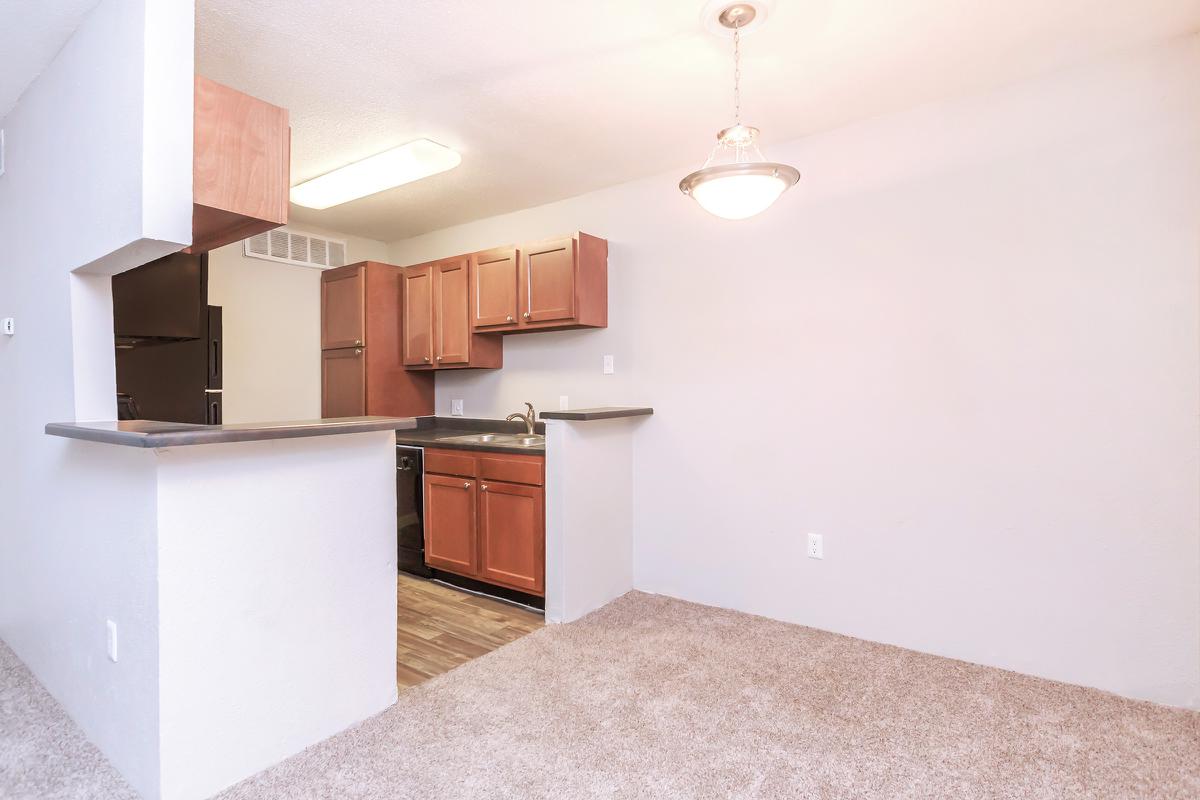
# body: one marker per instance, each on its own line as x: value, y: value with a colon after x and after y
x: 517, y: 440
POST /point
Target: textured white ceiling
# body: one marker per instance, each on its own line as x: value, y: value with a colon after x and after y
x: 546, y: 99
x: 31, y: 34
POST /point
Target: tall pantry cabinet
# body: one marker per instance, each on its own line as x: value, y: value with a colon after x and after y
x: 362, y: 373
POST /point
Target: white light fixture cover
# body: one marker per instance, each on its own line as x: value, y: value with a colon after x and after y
x: 736, y: 181
x: 396, y: 167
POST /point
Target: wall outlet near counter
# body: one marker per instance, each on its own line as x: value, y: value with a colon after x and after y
x: 816, y: 545
x: 456, y: 408
x: 608, y: 365
x: 563, y: 403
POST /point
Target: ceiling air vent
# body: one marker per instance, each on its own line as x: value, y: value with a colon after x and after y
x: 290, y: 247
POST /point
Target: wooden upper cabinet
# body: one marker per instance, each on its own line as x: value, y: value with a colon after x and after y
x: 343, y: 307
x: 241, y: 166
x: 548, y: 282
x: 557, y: 284
x: 361, y: 369
x: 437, y: 319
x: 512, y: 536
x: 343, y: 383
x: 494, y: 279
x: 451, y: 306
x: 450, y: 536
x: 417, y: 316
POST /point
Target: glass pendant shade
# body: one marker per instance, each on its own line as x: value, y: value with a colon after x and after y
x: 737, y: 182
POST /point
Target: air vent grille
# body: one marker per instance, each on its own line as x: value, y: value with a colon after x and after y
x: 291, y: 247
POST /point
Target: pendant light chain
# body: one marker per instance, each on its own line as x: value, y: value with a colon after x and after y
x: 737, y: 74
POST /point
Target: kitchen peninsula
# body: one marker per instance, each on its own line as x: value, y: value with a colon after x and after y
x: 267, y: 571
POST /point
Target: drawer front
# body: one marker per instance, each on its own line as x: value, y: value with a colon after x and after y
x: 451, y: 462
x: 513, y: 469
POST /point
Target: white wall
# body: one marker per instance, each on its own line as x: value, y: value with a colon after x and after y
x: 271, y: 318
x: 93, y: 179
x: 966, y: 349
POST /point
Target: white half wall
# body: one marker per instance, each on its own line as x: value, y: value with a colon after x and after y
x: 271, y: 321
x: 589, y: 514
x: 277, y: 600
x: 97, y: 179
x: 966, y: 349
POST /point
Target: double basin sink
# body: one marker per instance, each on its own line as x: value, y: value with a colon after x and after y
x: 507, y: 439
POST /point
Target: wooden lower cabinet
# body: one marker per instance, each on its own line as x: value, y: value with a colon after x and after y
x: 450, y: 504
x: 512, y: 536
x: 490, y: 530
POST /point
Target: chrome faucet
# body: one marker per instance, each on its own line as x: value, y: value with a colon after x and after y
x: 526, y: 418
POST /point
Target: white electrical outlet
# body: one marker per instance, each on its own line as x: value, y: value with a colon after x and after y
x: 816, y: 545
x: 456, y: 408
x: 608, y: 365
x: 111, y: 628
x: 1, y: 151
x: 563, y: 403
x: 8, y: 326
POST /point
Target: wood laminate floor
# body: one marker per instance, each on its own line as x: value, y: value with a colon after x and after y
x: 439, y: 628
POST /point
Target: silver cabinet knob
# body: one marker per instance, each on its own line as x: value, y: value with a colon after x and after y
x: 358, y: 342
x: 467, y: 485
x: 358, y: 352
x: 525, y: 315
x: 509, y: 318
x: 426, y: 359
x: 439, y: 358
x: 483, y: 488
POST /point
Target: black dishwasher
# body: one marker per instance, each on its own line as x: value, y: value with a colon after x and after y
x: 410, y: 533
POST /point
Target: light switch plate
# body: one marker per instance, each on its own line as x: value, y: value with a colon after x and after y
x: 608, y: 365
x: 456, y: 408
x: 8, y: 326
x: 1, y: 151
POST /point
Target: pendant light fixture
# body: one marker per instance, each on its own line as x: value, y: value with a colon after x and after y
x: 736, y: 181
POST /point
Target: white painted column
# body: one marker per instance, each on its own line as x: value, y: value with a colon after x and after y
x: 589, y: 514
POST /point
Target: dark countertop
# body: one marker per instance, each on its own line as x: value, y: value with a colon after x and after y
x: 147, y: 433
x: 432, y: 432
x: 607, y: 412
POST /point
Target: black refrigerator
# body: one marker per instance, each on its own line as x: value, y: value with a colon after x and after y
x: 168, y: 342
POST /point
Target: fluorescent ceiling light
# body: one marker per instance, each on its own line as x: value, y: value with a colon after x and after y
x: 396, y: 167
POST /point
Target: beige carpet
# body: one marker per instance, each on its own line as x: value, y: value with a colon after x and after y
x: 656, y: 698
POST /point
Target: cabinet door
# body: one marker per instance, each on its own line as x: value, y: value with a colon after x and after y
x: 417, y: 316
x: 343, y: 294
x: 548, y: 281
x: 451, y: 313
x: 450, y: 524
x: 343, y: 383
x: 494, y: 280
x: 512, y: 538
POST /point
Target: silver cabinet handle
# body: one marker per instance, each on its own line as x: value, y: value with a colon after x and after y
x: 358, y: 352
x: 439, y: 358
x: 525, y: 315
x: 466, y: 485
x: 509, y: 318
x: 358, y: 342
x: 483, y: 488
x: 426, y: 359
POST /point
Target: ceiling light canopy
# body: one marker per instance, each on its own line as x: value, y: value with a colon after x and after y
x: 737, y: 181
x: 396, y: 167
